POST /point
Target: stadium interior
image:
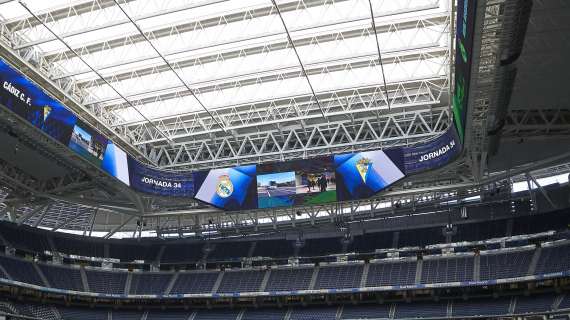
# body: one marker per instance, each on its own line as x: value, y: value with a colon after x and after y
x: 284, y: 159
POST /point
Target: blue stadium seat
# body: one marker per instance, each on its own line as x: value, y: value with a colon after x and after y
x: 338, y: 277
x: 21, y: 270
x: 241, y: 281
x: 217, y: 314
x: 289, y: 279
x: 264, y: 314
x: 62, y: 277
x: 182, y: 252
x: 314, y: 313
x: 320, y: 247
x: 390, y: 273
x: 35, y: 310
x: 228, y: 251
x: 451, y: 269
x: 166, y: 315
x: 553, y: 259
x: 150, y: 283
x: 85, y: 313
x: 376, y: 311
x: 481, y: 307
x: 194, y: 282
x: 534, y: 303
x: 421, y: 310
x: 505, y: 265
x: 111, y: 282
x: 273, y: 248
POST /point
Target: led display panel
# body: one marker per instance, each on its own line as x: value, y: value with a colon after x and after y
x: 361, y: 175
x: 88, y: 143
x: 28, y: 101
x: 228, y: 188
x: 281, y: 184
x: 115, y: 163
x: 463, y: 61
x: 300, y: 182
x: 164, y: 183
x: 432, y: 154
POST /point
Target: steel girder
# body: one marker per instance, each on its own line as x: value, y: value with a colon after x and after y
x: 242, y: 119
x: 295, y: 109
x: 225, y: 20
x: 433, y: 56
x: 541, y: 122
x: 189, y: 60
x: 293, y: 142
x: 484, y: 90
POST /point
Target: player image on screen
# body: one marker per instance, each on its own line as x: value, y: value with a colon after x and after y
x: 310, y: 181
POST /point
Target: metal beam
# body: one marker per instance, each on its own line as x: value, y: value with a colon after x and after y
x: 68, y: 220
x: 112, y: 232
x: 39, y: 220
x: 196, y: 55
x: 378, y: 48
x: 88, y: 65
x: 541, y: 189
x: 91, y: 223
x: 83, y: 8
x: 432, y: 51
x: 290, y: 110
x: 312, y: 140
x: 292, y: 44
x: 190, y: 90
x: 227, y: 19
x: 30, y: 214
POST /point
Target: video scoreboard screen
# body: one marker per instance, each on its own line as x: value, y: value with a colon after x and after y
x: 343, y: 177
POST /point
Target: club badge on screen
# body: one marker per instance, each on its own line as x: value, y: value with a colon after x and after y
x: 362, y: 166
x: 225, y: 188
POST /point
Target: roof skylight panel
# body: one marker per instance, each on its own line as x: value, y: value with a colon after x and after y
x: 294, y: 86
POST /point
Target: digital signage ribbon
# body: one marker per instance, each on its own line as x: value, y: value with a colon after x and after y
x: 163, y: 183
x: 315, y: 181
x: 28, y: 101
x: 433, y: 154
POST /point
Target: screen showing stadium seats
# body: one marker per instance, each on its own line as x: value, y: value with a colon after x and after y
x: 361, y: 175
x: 300, y: 182
x: 227, y: 188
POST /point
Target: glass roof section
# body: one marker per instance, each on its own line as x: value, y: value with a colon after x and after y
x: 236, y: 58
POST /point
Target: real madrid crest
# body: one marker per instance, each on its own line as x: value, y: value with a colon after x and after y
x: 224, y: 188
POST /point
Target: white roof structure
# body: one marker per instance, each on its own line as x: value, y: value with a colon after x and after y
x: 202, y: 83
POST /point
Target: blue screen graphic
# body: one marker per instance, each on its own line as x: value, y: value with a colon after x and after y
x: 433, y: 154
x: 228, y: 188
x: 361, y: 175
x: 24, y: 98
x: 115, y: 163
x: 164, y: 183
